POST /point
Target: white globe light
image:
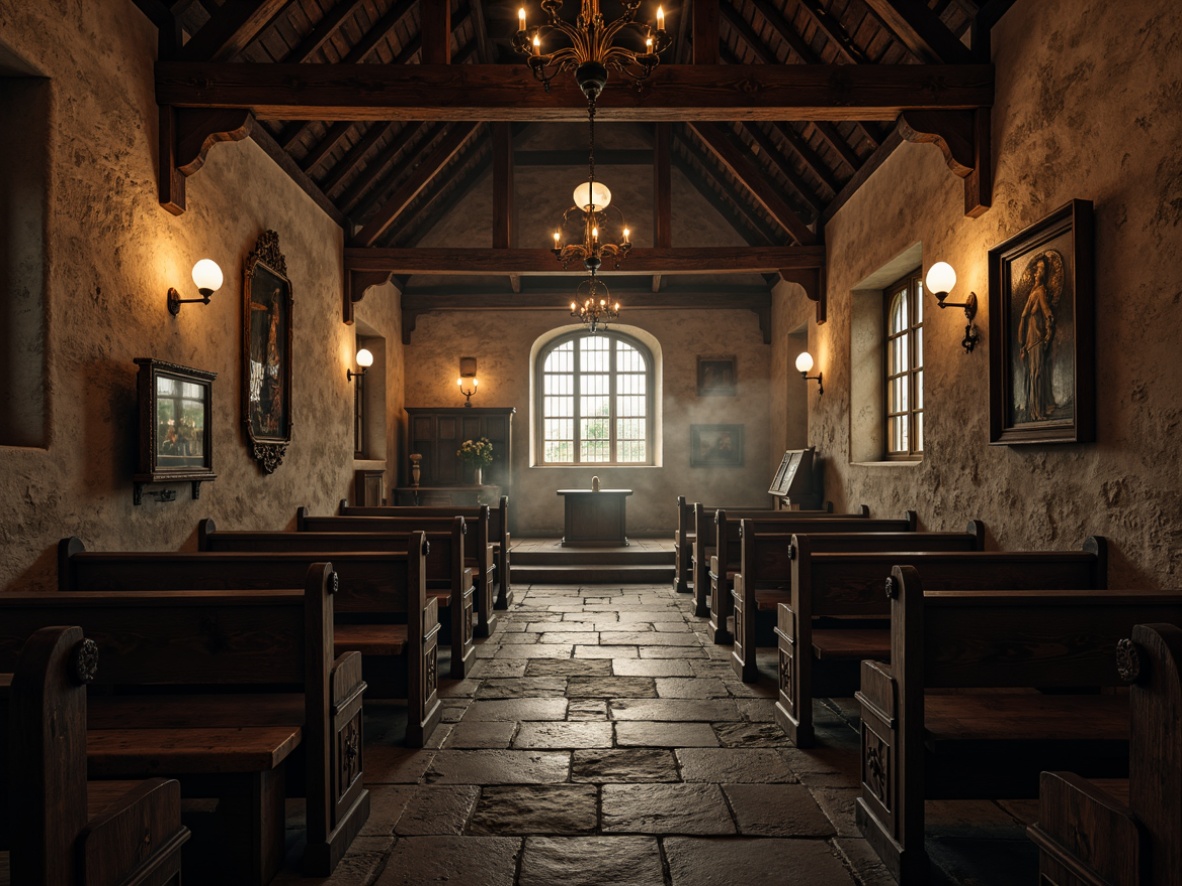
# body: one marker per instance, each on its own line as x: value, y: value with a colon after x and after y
x: 804, y: 362
x: 587, y: 193
x: 941, y: 277
x: 207, y: 275
x: 364, y: 358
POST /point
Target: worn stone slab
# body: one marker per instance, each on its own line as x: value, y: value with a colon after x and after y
x: 498, y: 767
x: 606, y: 652
x: 665, y: 735
x: 536, y: 650
x: 560, y: 624
x: 734, y: 766
x: 567, y: 637
x: 438, y: 809
x: 587, y: 709
x: 486, y: 667
x: 623, y: 765
x: 777, y: 810
x: 648, y: 638
x: 458, y: 688
x: 757, y: 710
x: 452, y: 710
x: 751, y: 735
x: 691, y: 687
x: 573, y: 667
x: 681, y: 709
x: 838, y: 806
x: 536, y: 809
x: 518, y: 709
x: 519, y: 639
x: 387, y: 802
x: 415, y: 861
x: 564, y: 734
x: 753, y: 862
x: 860, y: 857
x: 665, y: 809
x: 651, y: 667
x: 682, y: 652
x: 474, y: 734
x: 591, y: 861
x: 523, y: 687
x: 611, y: 687
x: 395, y: 765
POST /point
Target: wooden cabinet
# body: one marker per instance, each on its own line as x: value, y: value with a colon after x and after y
x: 437, y: 433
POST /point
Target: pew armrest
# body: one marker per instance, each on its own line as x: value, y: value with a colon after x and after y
x: 136, y: 839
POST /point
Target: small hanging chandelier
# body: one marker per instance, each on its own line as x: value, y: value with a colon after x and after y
x: 593, y: 229
x: 591, y: 50
x: 593, y: 305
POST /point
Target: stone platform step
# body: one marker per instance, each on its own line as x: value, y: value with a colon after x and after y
x: 644, y: 561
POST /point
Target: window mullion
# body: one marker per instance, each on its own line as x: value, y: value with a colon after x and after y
x: 577, y: 455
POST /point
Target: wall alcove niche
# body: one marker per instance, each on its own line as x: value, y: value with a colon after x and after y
x: 24, y: 175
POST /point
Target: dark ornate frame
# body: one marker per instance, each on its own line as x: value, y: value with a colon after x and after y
x: 267, y: 446
x: 725, y: 365
x: 701, y: 454
x: 149, y: 468
x: 1071, y: 228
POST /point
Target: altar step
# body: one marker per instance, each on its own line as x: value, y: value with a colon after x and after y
x: 545, y: 561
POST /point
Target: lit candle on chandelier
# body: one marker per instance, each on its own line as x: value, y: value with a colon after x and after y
x: 660, y: 18
x: 537, y: 45
x: 521, y: 18
x: 648, y: 45
x: 595, y: 234
x: 626, y: 236
x: 556, y: 235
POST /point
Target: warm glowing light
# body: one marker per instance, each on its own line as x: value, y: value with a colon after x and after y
x: 660, y: 18
x: 588, y: 195
x: 208, y: 276
x: 804, y: 362
x: 556, y: 237
x: 626, y: 235
x: 941, y: 277
x: 648, y: 44
x: 537, y: 45
x: 521, y: 18
x: 595, y: 233
x: 364, y: 358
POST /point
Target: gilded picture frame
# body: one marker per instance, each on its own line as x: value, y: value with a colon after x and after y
x: 267, y: 353
x: 1042, y: 333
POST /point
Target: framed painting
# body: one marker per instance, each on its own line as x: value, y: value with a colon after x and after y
x: 175, y: 418
x: 716, y: 446
x: 266, y: 353
x: 1042, y: 386
x: 716, y: 376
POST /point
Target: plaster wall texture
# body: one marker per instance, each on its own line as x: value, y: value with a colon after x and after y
x: 1087, y: 99
x: 502, y: 343
x: 112, y: 253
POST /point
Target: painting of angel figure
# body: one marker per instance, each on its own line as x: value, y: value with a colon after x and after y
x: 1041, y: 330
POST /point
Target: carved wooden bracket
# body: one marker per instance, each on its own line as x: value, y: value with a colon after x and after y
x: 356, y: 282
x: 812, y: 280
x: 186, y: 135
x: 963, y: 137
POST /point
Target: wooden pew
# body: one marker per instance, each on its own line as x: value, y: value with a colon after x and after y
x: 719, y: 551
x: 68, y: 832
x: 686, y: 532
x: 1040, y: 657
x: 498, y: 532
x: 1126, y: 832
x: 764, y: 581
x: 836, y: 585
x: 478, y: 550
x: 381, y: 607
x: 218, y: 689
x: 448, y: 580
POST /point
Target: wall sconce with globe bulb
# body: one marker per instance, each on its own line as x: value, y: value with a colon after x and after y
x: 940, y: 280
x: 208, y: 278
x: 804, y: 362
x: 467, y: 380
x: 364, y: 361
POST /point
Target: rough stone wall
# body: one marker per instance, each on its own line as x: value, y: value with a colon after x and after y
x: 1087, y: 106
x: 501, y: 342
x: 112, y: 254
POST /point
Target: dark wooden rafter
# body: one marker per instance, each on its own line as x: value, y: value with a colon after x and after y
x: 674, y: 93
x: 347, y: 163
x: 363, y: 183
x: 704, y: 31
x: 442, y: 153
x: 186, y: 136
x: 768, y: 147
x: 231, y: 29
x: 873, y: 162
x: 920, y: 30
x: 703, y: 173
x: 805, y: 151
x: 287, y: 163
x: 835, y: 32
x: 427, y: 211
x: 578, y: 157
x: 435, y: 32
x: 483, y: 50
x: 963, y: 137
x: 752, y: 178
x: 324, y: 31
x: 502, y: 181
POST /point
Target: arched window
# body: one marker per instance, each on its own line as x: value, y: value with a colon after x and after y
x: 595, y: 400
x: 904, y: 368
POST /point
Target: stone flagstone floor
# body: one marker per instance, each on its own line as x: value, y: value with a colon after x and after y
x: 602, y: 739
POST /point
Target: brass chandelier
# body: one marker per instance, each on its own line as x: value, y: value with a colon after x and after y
x: 593, y: 305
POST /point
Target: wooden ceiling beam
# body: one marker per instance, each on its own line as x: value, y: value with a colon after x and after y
x: 578, y: 157
x: 541, y: 262
x: 806, y: 153
x: 354, y: 155
x: 502, y: 164
x: 441, y: 154
x: 636, y: 298
x: 231, y: 30
x: 768, y: 147
x: 374, y: 169
x: 324, y: 31
x: 284, y: 161
x: 920, y: 30
x: 429, y: 210
x: 674, y: 93
x: 763, y: 190
x: 323, y: 148
x: 663, y: 186
x: 739, y: 216
x: 483, y: 50
x: 835, y: 32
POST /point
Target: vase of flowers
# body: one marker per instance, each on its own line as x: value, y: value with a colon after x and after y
x: 476, y: 454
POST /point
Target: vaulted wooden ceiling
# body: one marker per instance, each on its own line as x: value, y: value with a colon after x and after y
x: 388, y: 111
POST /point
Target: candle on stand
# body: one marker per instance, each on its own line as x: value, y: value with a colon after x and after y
x: 660, y: 18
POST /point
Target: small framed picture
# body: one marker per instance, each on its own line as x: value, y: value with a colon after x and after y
x: 1042, y: 332
x: 176, y: 408
x: 716, y: 446
x: 716, y: 376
